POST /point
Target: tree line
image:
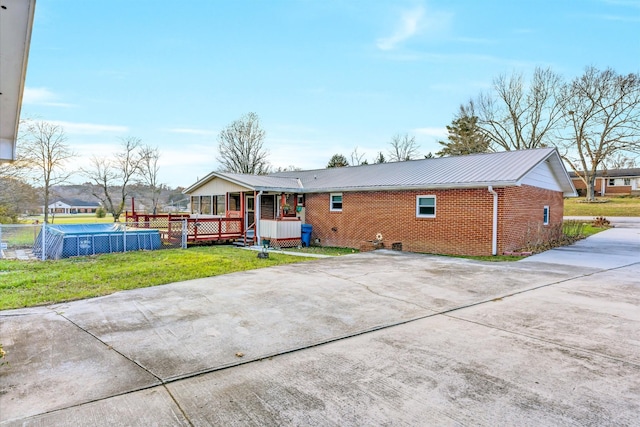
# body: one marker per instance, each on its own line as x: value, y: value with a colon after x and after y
x: 43, y: 155
x: 593, y: 120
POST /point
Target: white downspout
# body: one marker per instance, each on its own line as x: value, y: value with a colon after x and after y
x: 494, y: 233
x: 257, y: 217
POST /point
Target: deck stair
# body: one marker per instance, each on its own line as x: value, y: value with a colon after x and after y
x: 249, y: 239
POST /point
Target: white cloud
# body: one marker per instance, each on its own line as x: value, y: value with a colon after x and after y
x: 415, y: 22
x: 191, y: 131
x: 41, y: 96
x: 434, y: 132
x: 408, y: 27
x: 88, y: 128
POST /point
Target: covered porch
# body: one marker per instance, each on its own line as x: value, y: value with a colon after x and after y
x: 245, y: 218
x: 263, y: 207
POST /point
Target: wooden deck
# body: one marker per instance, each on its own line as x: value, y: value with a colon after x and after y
x: 198, y: 229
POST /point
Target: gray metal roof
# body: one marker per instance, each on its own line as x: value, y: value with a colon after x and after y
x: 506, y: 168
x: 613, y: 173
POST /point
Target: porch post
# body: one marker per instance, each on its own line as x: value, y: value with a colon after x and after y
x: 256, y: 201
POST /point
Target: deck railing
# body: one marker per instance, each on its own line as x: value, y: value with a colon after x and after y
x: 178, y: 227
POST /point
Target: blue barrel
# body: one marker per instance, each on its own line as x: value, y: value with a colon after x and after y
x: 306, y: 234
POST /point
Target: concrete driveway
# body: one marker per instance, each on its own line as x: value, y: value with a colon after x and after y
x: 380, y: 338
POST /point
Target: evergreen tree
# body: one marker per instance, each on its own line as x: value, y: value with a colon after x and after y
x: 338, y: 161
x: 465, y: 137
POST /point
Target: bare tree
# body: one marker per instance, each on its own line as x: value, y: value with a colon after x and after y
x: 358, y: 159
x: 240, y: 147
x: 45, y: 152
x: 290, y: 168
x: 112, y: 177
x: 517, y: 116
x: 16, y: 197
x: 603, y: 119
x: 149, y: 169
x: 621, y: 160
x: 403, y: 147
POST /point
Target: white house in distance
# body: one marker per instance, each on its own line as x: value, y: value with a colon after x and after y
x: 71, y: 207
x: 16, y: 22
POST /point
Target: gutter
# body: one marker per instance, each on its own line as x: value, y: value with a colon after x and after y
x: 494, y: 231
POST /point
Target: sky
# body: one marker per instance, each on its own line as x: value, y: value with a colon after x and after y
x: 324, y: 76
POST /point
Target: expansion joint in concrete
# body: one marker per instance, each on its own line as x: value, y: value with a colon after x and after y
x: 110, y: 347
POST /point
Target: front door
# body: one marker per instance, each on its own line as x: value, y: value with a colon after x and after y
x: 250, y: 216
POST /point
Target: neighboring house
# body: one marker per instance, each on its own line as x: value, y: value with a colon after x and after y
x: 479, y: 204
x: 71, y: 207
x: 611, y: 182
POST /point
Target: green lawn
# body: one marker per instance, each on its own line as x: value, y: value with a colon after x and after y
x: 31, y: 283
x: 613, y: 206
x: 70, y: 219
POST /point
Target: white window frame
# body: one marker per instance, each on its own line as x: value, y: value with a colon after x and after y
x: 545, y: 215
x: 425, y: 196
x: 332, y: 208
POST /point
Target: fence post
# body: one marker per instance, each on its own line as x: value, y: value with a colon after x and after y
x: 184, y: 234
x: 124, y: 240
x: 44, y: 241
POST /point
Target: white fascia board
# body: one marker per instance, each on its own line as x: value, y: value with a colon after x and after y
x: 16, y: 24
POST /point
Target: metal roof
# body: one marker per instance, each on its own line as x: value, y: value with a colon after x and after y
x: 506, y: 168
x: 613, y: 173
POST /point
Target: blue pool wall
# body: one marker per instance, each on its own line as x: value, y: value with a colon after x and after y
x: 69, y: 240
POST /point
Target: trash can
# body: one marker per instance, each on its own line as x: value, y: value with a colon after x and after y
x: 306, y: 234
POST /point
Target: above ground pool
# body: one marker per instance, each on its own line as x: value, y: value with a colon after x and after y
x: 68, y: 240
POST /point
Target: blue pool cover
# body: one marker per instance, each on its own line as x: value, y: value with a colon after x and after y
x: 68, y: 240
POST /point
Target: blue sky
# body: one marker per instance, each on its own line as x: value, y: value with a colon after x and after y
x: 324, y: 76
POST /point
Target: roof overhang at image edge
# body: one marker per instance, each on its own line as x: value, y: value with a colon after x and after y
x: 504, y: 169
x: 16, y: 23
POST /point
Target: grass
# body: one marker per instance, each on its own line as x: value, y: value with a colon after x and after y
x: 490, y: 258
x: 590, y: 230
x: 612, y: 206
x: 32, y: 283
x: 70, y: 219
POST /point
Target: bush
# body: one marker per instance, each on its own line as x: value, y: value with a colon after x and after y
x: 101, y: 212
x: 573, y: 229
x: 601, y: 222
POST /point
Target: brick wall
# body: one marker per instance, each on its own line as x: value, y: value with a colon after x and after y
x: 462, y: 224
x: 520, y: 216
x: 608, y: 189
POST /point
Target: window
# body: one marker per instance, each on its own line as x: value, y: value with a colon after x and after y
x: 195, y: 204
x: 300, y: 199
x: 234, y: 202
x: 612, y: 182
x: 545, y: 215
x: 627, y: 181
x: 336, y: 202
x: 426, y: 206
x: 205, y: 205
x: 220, y: 206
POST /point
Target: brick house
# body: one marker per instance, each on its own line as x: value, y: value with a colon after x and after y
x: 480, y: 204
x: 611, y: 182
x: 71, y: 207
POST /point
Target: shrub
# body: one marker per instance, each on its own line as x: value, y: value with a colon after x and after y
x: 101, y: 212
x: 601, y: 222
